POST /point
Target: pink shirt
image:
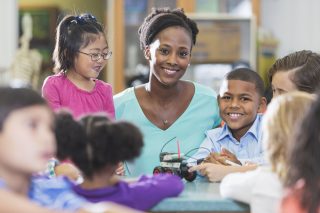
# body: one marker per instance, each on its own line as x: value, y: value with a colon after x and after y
x: 60, y: 92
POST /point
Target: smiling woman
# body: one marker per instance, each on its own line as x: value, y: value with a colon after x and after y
x: 166, y: 106
x: 80, y: 54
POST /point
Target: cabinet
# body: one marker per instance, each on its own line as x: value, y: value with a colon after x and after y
x: 224, y: 42
x: 225, y: 39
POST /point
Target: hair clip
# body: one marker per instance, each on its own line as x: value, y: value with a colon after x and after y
x: 91, y: 17
x: 80, y: 19
x: 85, y: 18
x: 73, y: 22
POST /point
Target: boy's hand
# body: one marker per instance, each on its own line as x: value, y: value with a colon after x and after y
x: 230, y: 156
x: 215, y: 158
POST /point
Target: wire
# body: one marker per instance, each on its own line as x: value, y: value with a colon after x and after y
x: 195, y: 159
x: 198, y: 148
x: 166, y: 144
x: 191, y: 157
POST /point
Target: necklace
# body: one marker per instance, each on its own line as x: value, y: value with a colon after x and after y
x: 165, y: 122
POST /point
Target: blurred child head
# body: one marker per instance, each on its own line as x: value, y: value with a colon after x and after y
x: 296, y: 71
x: 27, y: 140
x: 80, y: 44
x: 240, y: 99
x: 68, y: 134
x: 303, y: 159
x: 101, y: 143
x: 280, y: 119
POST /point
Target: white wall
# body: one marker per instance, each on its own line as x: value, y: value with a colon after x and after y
x: 295, y: 23
x: 9, y: 32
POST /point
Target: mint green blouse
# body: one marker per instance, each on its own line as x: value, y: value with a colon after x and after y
x: 189, y: 129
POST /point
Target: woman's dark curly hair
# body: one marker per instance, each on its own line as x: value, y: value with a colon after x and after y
x: 304, y: 158
x: 95, y: 142
x: 162, y: 18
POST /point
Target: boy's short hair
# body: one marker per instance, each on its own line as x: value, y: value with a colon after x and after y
x: 248, y: 75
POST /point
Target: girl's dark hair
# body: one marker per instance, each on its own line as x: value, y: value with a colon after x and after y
x: 69, y: 134
x: 162, y: 18
x: 12, y: 99
x: 73, y: 33
x: 304, y: 158
x: 305, y: 65
x: 98, y: 142
x: 248, y: 75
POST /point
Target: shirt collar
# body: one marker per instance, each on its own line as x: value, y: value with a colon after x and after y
x: 254, y: 130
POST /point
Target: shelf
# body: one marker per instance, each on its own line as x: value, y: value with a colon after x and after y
x: 225, y: 38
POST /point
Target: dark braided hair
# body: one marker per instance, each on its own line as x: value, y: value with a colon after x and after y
x: 69, y: 134
x: 73, y: 33
x: 162, y: 18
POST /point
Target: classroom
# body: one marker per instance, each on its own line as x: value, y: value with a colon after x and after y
x: 159, y: 106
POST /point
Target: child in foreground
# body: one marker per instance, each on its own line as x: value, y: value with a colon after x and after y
x: 302, y: 181
x: 100, y: 146
x: 27, y: 141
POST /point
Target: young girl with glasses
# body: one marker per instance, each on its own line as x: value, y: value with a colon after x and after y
x: 80, y: 54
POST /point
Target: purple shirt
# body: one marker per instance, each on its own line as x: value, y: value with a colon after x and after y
x: 143, y: 194
x: 60, y: 92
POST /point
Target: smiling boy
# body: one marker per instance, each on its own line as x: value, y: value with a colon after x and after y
x: 240, y: 102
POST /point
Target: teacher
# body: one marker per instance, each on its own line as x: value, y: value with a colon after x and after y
x: 167, y: 109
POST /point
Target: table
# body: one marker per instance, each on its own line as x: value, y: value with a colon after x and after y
x: 200, y: 196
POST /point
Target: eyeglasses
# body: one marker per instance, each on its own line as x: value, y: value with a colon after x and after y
x: 97, y: 56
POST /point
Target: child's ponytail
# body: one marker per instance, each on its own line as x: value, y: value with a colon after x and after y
x: 71, y: 141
